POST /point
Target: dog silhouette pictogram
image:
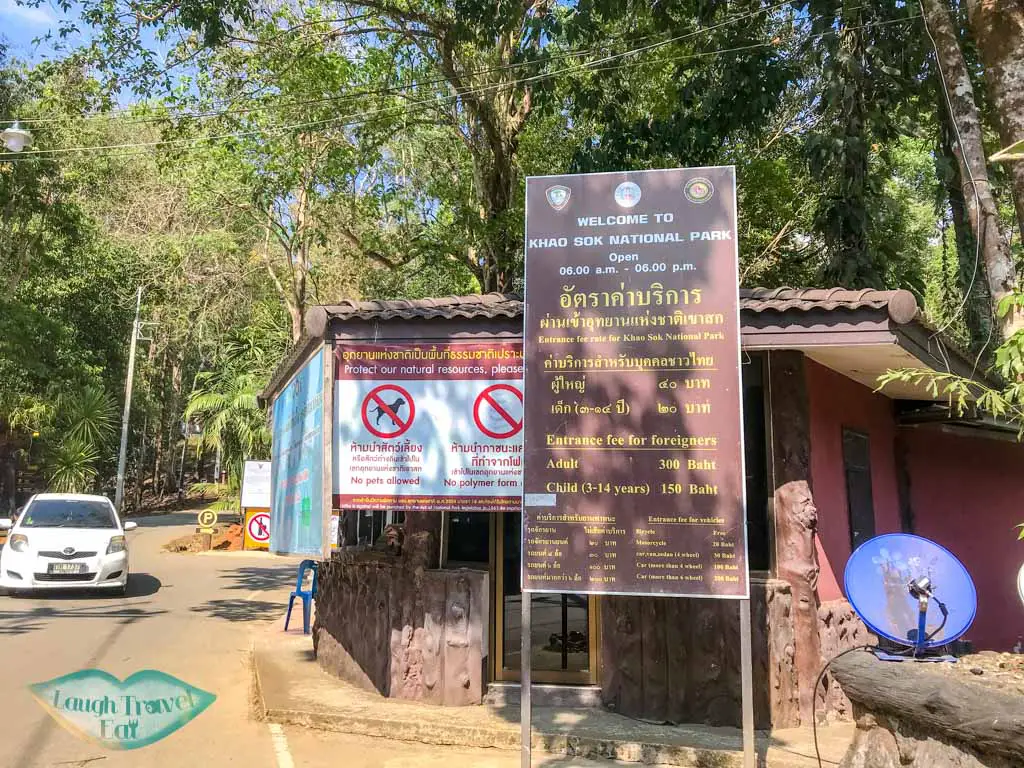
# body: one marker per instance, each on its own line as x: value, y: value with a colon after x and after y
x: 394, y: 406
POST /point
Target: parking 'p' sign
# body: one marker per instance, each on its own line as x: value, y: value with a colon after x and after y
x: 207, y: 518
x: 498, y: 411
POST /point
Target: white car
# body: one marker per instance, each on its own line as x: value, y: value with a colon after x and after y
x: 65, y: 541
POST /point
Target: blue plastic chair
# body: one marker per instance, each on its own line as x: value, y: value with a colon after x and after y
x: 307, y: 596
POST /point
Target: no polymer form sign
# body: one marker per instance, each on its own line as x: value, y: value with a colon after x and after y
x: 427, y: 426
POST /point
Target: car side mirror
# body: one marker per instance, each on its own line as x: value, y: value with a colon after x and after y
x: 6, y: 523
x: 130, y: 526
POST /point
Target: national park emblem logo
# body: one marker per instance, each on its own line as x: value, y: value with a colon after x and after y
x: 558, y: 196
x: 699, y: 190
x: 627, y: 194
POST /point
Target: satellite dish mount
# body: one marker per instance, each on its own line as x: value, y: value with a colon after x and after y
x: 921, y: 588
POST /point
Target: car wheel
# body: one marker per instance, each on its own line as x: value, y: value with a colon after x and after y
x: 123, y: 590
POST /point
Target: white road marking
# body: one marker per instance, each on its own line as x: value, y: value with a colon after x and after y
x: 252, y: 595
x: 284, y: 757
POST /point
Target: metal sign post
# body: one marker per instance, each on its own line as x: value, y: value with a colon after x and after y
x: 525, y: 694
x: 747, y: 686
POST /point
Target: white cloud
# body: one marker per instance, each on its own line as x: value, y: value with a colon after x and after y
x: 23, y: 14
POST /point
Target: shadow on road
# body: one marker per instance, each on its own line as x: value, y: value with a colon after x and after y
x: 240, y: 610
x: 253, y: 578
x: 165, y: 521
x: 21, y: 622
x: 139, y: 585
x: 143, y: 585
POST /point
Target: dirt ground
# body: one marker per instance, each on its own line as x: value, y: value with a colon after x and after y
x: 1002, y: 671
x: 225, y: 538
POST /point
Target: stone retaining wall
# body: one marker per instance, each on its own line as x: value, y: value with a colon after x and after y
x: 408, y: 633
x: 909, y: 715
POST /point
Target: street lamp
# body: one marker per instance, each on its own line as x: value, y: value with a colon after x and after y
x: 16, y: 138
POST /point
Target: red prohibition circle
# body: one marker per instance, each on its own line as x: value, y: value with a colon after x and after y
x: 261, y: 524
x: 376, y: 402
x: 485, y: 397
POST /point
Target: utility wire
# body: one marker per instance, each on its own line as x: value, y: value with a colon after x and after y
x: 407, y: 86
x: 416, y: 107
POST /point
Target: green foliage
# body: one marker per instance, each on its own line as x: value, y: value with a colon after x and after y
x: 314, y: 152
x: 1002, y: 397
x: 225, y: 398
x: 71, y: 466
x: 88, y: 416
x: 868, y: 74
x: 227, y: 495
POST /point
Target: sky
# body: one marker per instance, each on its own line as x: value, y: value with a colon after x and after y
x: 20, y: 25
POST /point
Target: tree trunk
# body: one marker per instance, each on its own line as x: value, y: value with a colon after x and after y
x: 970, y: 155
x: 999, y: 31
x: 970, y: 280
x: 174, y: 409
x: 295, y: 313
x: 157, y: 484
x: 8, y: 472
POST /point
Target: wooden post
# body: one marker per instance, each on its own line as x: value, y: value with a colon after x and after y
x: 796, y: 517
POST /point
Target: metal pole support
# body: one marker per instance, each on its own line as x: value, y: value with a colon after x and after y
x: 122, y: 456
x: 747, y: 685
x: 525, y: 700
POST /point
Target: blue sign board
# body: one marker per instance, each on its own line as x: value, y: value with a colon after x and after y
x: 297, y: 468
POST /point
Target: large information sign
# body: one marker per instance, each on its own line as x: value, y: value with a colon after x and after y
x: 634, y: 477
x: 297, y: 462
x: 426, y: 426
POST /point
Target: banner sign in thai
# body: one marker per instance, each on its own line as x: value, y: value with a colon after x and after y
x: 297, y: 463
x: 634, y: 477
x: 425, y: 426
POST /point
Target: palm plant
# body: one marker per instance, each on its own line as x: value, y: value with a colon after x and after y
x: 77, y: 432
x: 88, y: 415
x: 225, y: 399
x: 226, y: 402
x: 71, y: 466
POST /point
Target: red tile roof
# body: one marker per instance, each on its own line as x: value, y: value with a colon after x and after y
x: 901, y: 305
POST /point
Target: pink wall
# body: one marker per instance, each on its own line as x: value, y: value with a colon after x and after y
x: 837, y: 402
x: 967, y: 493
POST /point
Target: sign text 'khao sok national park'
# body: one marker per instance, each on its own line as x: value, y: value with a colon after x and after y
x: 633, y: 477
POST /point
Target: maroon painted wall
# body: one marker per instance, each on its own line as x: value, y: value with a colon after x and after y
x: 838, y: 402
x: 967, y: 494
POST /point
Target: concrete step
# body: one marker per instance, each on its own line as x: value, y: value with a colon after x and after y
x: 291, y: 689
x: 502, y: 694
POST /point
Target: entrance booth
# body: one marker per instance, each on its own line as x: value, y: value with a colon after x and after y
x: 423, y: 602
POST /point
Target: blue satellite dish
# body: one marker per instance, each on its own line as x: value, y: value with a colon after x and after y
x: 899, y: 584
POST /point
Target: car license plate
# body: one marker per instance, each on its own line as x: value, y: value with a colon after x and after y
x: 66, y: 568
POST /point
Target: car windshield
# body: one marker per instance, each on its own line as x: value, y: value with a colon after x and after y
x: 68, y: 513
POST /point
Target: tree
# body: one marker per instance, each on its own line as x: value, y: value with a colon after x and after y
x: 999, y: 29
x: 969, y: 151
x: 225, y: 398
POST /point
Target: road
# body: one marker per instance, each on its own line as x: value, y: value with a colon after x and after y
x: 191, y: 616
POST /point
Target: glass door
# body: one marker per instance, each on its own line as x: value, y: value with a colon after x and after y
x: 565, y: 642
